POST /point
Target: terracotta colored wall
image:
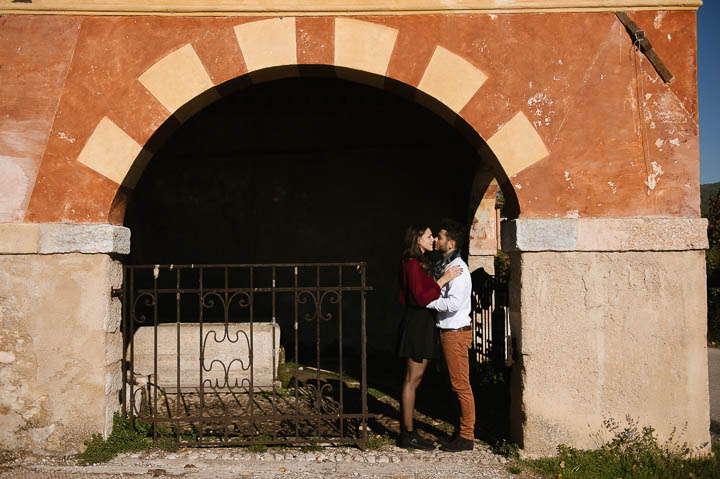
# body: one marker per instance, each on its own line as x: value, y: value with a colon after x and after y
x: 35, y: 54
x: 571, y: 74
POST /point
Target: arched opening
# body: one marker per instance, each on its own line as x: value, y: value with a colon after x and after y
x: 308, y: 169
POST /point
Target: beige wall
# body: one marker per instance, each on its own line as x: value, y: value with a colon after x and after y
x: 605, y: 335
x: 60, y: 350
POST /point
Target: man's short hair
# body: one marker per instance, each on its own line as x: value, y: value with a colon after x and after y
x: 455, y: 231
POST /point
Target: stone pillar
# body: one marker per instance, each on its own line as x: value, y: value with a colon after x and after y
x: 60, y: 337
x: 483, y: 241
x: 609, y: 320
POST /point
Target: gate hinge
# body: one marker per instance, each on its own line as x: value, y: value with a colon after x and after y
x: 116, y: 293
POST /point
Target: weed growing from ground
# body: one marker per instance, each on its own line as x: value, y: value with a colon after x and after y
x: 376, y: 441
x: 313, y: 446
x: 121, y: 439
x: 506, y: 448
x: 632, y: 453
x: 259, y: 447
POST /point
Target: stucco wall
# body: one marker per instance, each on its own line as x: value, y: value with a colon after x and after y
x: 604, y: 335
x: 60, y: 350
x: 580, y: 126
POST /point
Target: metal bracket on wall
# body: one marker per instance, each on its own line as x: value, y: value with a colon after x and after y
x: 638, y: 37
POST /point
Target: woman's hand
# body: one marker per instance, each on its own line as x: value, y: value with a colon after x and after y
x: 450, y: 273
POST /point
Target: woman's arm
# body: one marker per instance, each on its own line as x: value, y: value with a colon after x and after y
x: 420, y: 285
x: 450, y: 274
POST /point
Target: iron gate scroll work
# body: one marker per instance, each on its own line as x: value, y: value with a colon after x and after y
x: 205, y: 348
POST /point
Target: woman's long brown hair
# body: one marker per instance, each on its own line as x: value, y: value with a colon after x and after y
x: 411, y: 249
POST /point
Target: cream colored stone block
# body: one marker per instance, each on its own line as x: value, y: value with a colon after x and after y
x: 268, y: 43
x: 226, y: 353
x: 18, y: 238
x: 642, y: 234
x: 451, y: 79
x: 363, y: 45
x: 517, y: 145
x: 177, y: 78
x: 486, y: 262
x: 109, y: 151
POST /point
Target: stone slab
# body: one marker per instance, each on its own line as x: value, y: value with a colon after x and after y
x: 226, y: 354
x: 83, y: 238
x: 605, y: 234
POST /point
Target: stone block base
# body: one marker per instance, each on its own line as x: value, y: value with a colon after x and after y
x: 226, y: 355
x: 608, y: 335
x: 60, y: 350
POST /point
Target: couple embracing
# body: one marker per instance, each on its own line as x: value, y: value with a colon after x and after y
x: 437, y: 307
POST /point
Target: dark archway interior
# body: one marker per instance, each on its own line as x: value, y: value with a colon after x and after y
x: 307, y: 170
x: 303, y: 170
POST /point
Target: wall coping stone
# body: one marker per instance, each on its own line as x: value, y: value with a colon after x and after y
x: 330, y: 7
x: 604, y: 234
x: 53, y: 238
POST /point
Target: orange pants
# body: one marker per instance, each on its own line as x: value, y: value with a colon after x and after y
x: 455, y: 346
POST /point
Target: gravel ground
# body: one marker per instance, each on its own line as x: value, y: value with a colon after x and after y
x: 389, y: 461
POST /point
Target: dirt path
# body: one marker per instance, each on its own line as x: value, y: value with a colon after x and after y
x: 388, y: 461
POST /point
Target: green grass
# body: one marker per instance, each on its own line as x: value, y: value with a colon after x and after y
x: 633, y: 453
x: 376, y: 393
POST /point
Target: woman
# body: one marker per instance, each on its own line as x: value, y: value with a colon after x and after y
x: 418, y: 336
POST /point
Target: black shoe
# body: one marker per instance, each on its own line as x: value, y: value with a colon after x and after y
x: 445, y: 440
x: 412, y: 440
x: 459, y: 444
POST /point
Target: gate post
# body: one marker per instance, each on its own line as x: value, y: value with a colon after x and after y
x: 60, y: 338
x: 609, y: 320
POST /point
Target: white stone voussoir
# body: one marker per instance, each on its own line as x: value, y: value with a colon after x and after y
x: 605, y: 234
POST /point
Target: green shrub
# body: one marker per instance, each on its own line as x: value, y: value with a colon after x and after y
x: 121, y: 439
x: 124, y: 439
x: 506, y: 448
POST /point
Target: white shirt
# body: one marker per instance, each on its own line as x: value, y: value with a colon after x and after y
x: 453, y: 305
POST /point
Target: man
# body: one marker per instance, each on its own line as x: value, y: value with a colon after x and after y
x: 453, y: 320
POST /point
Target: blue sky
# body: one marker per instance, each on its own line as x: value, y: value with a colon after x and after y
x: 708, y: 90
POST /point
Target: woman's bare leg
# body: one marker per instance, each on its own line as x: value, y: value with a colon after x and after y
x: 413, y: 376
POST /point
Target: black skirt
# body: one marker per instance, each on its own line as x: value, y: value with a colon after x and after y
x: 418, y: 337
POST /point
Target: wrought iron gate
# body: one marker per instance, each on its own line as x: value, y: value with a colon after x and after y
x: 207, y: 352
x: 490, y: 320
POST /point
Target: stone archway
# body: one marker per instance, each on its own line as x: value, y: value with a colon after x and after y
x: 181, y: 85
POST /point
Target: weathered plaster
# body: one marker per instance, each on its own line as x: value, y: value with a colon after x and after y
x: 633, y: 327
x: 57, y: 351
x: 562, y: 118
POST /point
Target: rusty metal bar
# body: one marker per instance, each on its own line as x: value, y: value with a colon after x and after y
x: 340, y: 352
x: 124, y: 363
x: 154, y: 405
x: 363, y: 349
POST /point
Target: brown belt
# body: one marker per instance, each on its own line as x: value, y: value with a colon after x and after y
x: 464, y: 328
